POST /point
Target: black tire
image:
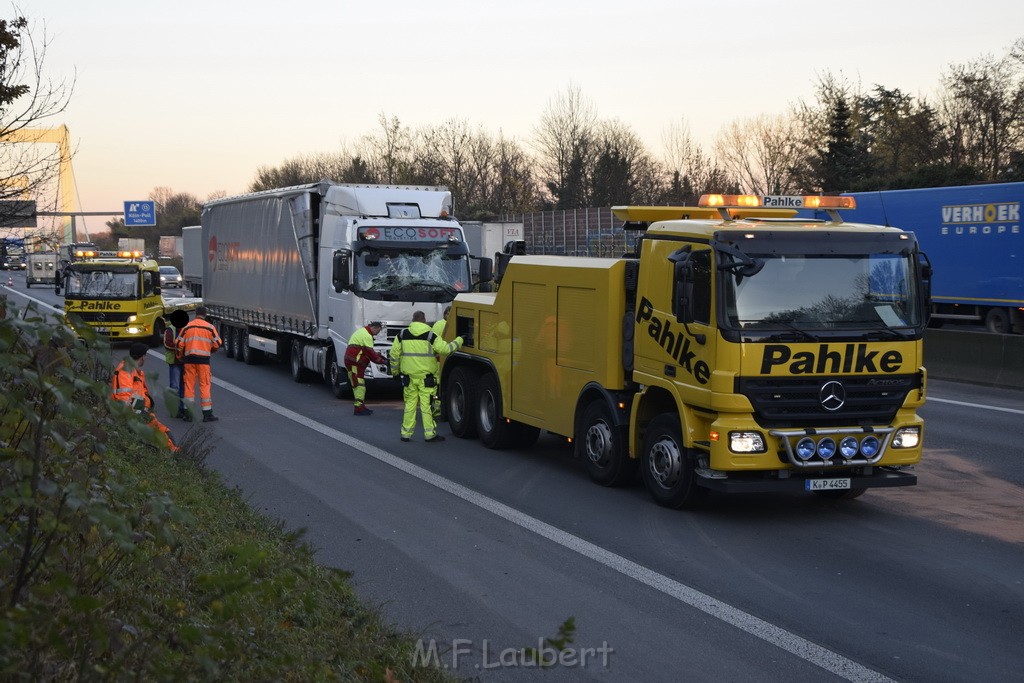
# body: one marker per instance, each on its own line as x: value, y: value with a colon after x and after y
x: 997, y: 321
x: 300, y: 374
x: 604, y: 452
x: 847, y: 494
x: 491, y: 426
x: 461, y: 397
x: 337, y: 378
x: 250, y: 356
x: 158, y: 334
x: 666, y: 466
x: 240, y: 341
x: 227, y: 333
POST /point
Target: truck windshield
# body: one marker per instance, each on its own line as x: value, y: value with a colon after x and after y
x: 106, y: 284
x: 811, y: 292
x: 411, y: 274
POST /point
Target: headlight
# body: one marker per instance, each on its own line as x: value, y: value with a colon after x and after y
x: 132, y: 318
x: 907, y: 437
x: 805, y: 448
x: 826, y: 448
x: 848, y: 447
x: 746, y: 442
x: 869, y: 446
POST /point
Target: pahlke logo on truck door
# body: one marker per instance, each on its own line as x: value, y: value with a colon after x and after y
x: 673, y: 341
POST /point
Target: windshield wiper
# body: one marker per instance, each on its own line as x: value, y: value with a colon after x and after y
x: 796, y: 332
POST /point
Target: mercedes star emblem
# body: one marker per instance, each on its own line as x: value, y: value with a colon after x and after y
x: 832, y: 395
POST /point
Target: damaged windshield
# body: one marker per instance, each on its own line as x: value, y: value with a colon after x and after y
x: 89, y: 284
x: 411, y: 274
x: 824, y: 292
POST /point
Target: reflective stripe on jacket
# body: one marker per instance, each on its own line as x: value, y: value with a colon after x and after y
x: 414, y: 351
x: 197, y: 341
x: 360, y: 351
x: 128, y: 385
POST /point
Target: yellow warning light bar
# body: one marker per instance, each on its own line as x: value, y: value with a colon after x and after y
x: 777, y: 201
x: 653, y: 214
x: 85, y: 254
x: 130, y: 254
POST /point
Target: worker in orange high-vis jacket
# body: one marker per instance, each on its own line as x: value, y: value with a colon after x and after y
x: 128, y: 385
x: 358, y: 355
x: 197, y: 341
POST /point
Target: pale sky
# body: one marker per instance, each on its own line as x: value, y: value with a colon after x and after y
x: 194, y: 96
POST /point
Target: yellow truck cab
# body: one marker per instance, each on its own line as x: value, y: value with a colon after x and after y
x: 118, y: 295
x: 740, y: 348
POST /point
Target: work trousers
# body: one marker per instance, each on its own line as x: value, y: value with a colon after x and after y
x: 177, y: 384
x: 358, y: 384
x: 201, y: 373
x: 417, y: 394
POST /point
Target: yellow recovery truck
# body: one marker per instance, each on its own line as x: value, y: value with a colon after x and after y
x: 118, y: 295
x: 740, y: 349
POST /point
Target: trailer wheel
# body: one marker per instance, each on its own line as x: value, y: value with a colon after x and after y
x: 337, y: 378
x: 462, y: 402
x: 227, y: 333
x: 250, y: 355
x: 490, y: 423
x: 848, y: 494
x: 606, y: 458
x: 666, y: 466
x: 300, y: 374
x: 997, y: 321
x: 238, y: 341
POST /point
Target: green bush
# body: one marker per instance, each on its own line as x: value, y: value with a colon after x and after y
x: 120, y: 561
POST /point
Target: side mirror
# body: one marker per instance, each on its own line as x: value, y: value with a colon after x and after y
x: 486, y: 273
x: 926, y: 282
x: 683, y: 302
x: 340, y: 271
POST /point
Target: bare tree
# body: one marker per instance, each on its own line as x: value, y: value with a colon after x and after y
x: 564, y: 142
x: 689, y: 171
x: 28, y: 98
x: 983, y: 109
x: 762, y: 153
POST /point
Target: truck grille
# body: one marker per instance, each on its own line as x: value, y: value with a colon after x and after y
x: 788, y: 402
x: 102, y: 318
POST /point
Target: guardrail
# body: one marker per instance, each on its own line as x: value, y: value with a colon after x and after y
x: 976, y: 357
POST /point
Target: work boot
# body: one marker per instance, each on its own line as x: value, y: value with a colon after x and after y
x: 187, y: 417
x: 405, y: 439
x: 435, y: 438
x: 362, y: 410
x: 208, y: 416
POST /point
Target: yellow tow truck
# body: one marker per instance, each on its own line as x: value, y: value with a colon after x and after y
x: 118, y: 295
x: 741, y: 348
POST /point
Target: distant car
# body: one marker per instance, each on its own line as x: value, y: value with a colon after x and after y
x: 170, y: 277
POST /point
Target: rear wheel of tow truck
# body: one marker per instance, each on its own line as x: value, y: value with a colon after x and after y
x: 604, y: 452
x: 997, y: 321
x: 337, y: 378
x: 490, y: 424
x: 666, y: 467
x: 848, y: 494
x: 300, y: 373
x: 461, y: 398
x: 227, y: 333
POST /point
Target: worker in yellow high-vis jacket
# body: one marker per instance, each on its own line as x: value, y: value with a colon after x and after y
x: 413, y: 357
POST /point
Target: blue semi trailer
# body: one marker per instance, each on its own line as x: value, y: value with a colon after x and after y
x: 972, y: 236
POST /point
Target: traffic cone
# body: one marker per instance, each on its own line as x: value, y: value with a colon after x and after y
x: 10, y: 281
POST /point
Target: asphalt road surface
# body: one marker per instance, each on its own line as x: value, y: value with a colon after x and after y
x: 481, y: 553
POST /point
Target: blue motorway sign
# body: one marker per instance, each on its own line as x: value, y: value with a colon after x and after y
x: 140, y: 213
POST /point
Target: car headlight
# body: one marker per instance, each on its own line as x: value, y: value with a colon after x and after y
x: 746, y: 442
x: 132, y: 318
x: 907, y: 437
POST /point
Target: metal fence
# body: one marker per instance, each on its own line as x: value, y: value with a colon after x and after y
x: 574, y: 232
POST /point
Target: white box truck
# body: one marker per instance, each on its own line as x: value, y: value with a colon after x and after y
x: 41, y: 268
x: 291, y: 273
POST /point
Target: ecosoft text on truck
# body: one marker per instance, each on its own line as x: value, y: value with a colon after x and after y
x: 291, y: 273
x: 738, y: 349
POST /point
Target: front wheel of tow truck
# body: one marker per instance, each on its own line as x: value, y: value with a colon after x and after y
x: 666, y: 466
x: 848, y: 494
x: 604, y: 452
x: 158, y: 334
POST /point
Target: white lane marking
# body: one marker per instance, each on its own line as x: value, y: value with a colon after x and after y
x: 815, y: 654
x: 975, y: 405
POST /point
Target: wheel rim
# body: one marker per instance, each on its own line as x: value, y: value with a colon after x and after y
x: 488, y: 414
x: 457, y: 403
x: 332, y: 372
x: 666, y: 463
x: 599, y: 443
